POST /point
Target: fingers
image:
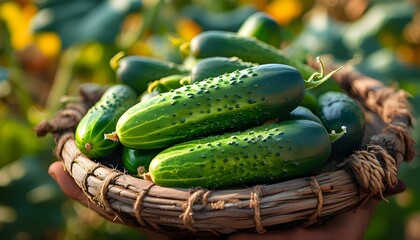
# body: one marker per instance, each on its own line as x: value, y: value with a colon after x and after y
x: 350, y: 225
x: 65, y: 181
x: 73, y: 191
x: 272, y: 235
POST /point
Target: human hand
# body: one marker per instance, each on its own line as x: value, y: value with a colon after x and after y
x: 348, y: 225
x: 73, y: 191
x: 351, y: 225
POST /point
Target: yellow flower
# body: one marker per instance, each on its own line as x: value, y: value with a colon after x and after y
x: 284, y: 11
x: 17, y: 18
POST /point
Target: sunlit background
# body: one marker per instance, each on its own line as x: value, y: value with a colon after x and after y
x: 49, y: 47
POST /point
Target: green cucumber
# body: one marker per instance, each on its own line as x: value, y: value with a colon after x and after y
x: 263, y: 27
x: 337, y: 109
x: 229, y: 20
x: 302, y: 112
x: 167, y: 83
x: 225, y: 103
x: 261, y: 155
x: 136, y: 161
x: 215, y: 66
x: 146, y: 95
x: 310, y: 101
x: 138, y: 71
x: 102, y: 118
x: 53, y: 18
x: 227, y: 44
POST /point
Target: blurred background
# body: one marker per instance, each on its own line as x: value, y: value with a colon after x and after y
x: 49, y: 47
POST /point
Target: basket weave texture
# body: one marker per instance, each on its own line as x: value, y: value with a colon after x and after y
x: 370, y: 172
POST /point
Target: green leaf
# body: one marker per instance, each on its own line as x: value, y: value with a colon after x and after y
x: 17, y: 139
x: 85, y: 21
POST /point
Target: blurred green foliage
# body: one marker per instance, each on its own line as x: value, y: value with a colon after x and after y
x: 49, y: 47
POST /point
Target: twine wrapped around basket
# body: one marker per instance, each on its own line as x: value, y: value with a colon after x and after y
x: 369, y: 172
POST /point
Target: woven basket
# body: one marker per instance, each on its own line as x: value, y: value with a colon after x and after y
x: 369, y: 172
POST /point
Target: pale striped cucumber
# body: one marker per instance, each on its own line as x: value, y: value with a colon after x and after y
x: 102, y: 118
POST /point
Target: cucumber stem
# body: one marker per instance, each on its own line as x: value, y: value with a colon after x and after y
x: 185, y: 80
x: 141, y: 171
x: 334, y: 136
x: 157, y: 84
x: 111, y: 136
x: 318, y: 78
x: 152, y: 86
x: 88, y: 146
x: 114, y: 62
x: 184, y: 48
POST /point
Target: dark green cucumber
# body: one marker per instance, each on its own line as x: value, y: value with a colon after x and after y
x: 215, y: 66
x: 227, y: 44
x: 138, y: 71
x: 102, y: 118
x: 136, y: 161
x: 302, y: 112
x: 336, y: 110
x: 262, y: 155
x: 310, y: 101
x: 229, y: 20
x: 263, y: 27
x: 224, y: 103
x: 53, y: 18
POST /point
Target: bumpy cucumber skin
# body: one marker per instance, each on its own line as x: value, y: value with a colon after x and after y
x: 215, y: 66
x: 261, y: 155
x: 134, y: 158
x: 227, y: 44
x: 138, y: 71
x: 101, y: 119
x: 225, y: 103
x: 336, y: 110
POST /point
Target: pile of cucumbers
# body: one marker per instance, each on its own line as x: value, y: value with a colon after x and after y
x: 238, y: 114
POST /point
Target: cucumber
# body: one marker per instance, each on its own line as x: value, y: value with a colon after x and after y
x: 338, y: 109
x: 310, y: 101
x: 225, y: 103
x: 263, y: 27
x: 227, y: 44
x: 167, y: 83
x: 102, y: 118
x: 146, y: 95
x: 215, y: 66
x: 138, y: 71
x: 302, y: 112
x: 53, y: 18
x: 229, y: 20
x: 261, y: 155
x: 136, y: 161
